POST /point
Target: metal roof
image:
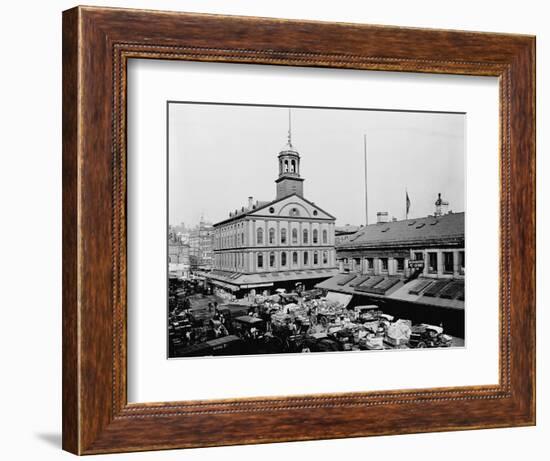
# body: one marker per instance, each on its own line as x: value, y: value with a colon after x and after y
x: 446, y: 227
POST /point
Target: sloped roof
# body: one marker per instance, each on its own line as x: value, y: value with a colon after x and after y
x: 243, y: 211
x: 446, y: 227
x: 260, y: 205
x: 400, y: 291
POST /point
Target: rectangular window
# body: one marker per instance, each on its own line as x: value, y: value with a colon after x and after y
x: 357, y: 264
x: 432, y: 261
x: 419, y: 256
x: 400, y: 264
x: 370, y: 263
x: 384, y: 262
x: 448, y: 262
x: 462, y: 262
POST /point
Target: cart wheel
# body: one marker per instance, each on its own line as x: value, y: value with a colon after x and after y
x: 422, y: 345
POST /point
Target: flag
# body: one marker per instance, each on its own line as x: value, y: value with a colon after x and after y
x: 407, y: 202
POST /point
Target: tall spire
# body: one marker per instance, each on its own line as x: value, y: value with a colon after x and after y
x: 289, y: 128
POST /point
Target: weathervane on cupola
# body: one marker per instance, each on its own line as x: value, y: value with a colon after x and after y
x: 289, y: 128
x: 289, y: 181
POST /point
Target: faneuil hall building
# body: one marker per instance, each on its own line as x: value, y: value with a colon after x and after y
x: 275, y: 244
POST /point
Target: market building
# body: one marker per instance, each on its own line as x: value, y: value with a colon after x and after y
x: 275, y: 244
x: 413, y: 268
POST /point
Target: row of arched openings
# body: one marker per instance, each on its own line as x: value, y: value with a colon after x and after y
x: 288, y: 166
x: 272, y: 238
x: 294, y: 256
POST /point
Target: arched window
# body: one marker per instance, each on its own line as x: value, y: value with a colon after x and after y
x: 305, y: 237
x: 293, y: 166
x: 325, y: 236
x: 306, y: 258
x: 260, y: 260
x: 285, y: 169
x: 325, y: 257
x: 271, y: 259
x: 283, y: 236
x: 295, y: 236
x: 295, y: 257
x: 260, y: 236
x: 315, y: 257
x: 283, y: 258
x: 315, y: 236
x: 272, y: 236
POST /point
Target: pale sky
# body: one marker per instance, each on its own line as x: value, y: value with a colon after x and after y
x: 221, y: 154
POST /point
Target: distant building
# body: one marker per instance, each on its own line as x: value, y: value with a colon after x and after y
x: 178, y: 256
x: 277, y: 243
x: 194, y: 247
x: 413, y: 268
x: 201, y: 242
x: 206, y: 246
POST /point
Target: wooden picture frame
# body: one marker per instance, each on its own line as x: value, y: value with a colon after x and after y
x: 97, y: 43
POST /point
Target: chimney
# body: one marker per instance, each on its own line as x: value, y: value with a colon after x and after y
x: 382, y: 217
x: 250, y: 201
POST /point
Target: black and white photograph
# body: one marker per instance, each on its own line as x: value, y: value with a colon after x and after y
x: 298, y: 229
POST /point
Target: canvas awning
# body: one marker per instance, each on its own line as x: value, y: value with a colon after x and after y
x: 340, y: 298
x: 225, y: 285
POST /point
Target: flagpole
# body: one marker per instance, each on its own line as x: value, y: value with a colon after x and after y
x: 407, y: 203
x: 366, y: 186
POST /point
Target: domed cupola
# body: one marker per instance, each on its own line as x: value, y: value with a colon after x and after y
x: 289, y: 181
